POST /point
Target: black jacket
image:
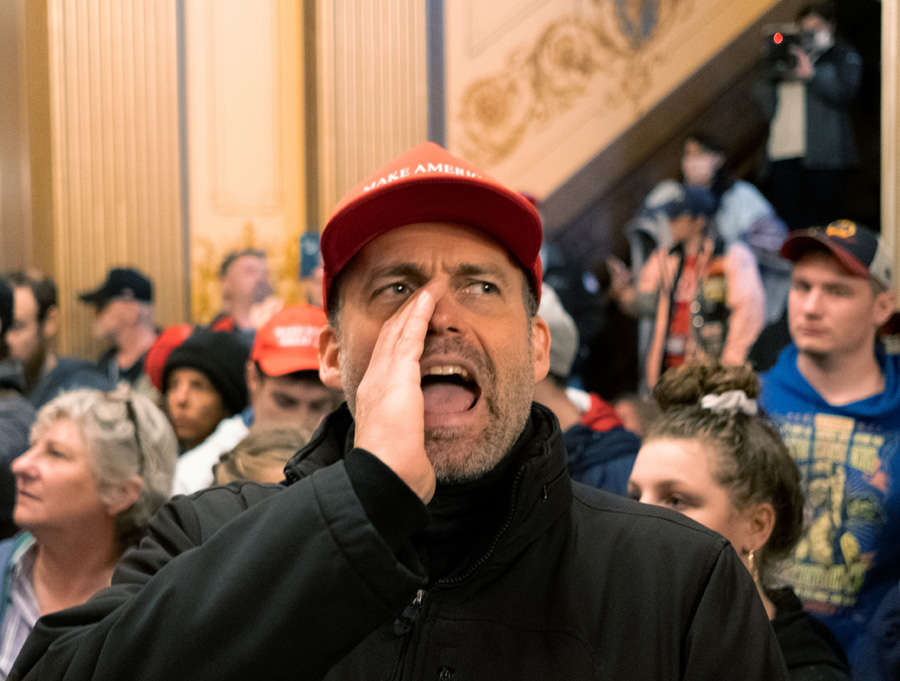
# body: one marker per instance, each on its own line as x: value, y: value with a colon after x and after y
x: 830, y: 141
x: 16, y: 417
x: 319, y: 579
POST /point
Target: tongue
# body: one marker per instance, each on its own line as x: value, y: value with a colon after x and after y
x: 446, y: 398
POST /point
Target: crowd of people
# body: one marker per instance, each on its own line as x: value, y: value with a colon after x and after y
x: 403, y: 480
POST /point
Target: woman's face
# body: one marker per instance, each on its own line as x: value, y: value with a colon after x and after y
x: 699, y: 165
x: 678, y: 473
x: 55, y: 482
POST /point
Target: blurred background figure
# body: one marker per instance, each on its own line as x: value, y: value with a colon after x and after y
x: 32, y: 340
x: 247, y: 301
x: 705, y: 296
x: 16, y: 413
x: 284, y: 390
x: 124, y: 319
x: 712, y: 457
x: 261, y: 456
x: 99, y: 466
x: 807, y: 99
x: 159, y: 352
x: 203, y: 381
x: 600, y: 450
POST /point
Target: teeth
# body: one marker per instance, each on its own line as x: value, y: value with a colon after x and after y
x: 448, y: 370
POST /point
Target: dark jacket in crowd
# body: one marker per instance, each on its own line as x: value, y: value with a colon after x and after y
x: 601, y: 459
x: 325, y: 577
x: 68, y: 374
x: 811, y: 651
x: 16, y: 417
x: 829, y: 129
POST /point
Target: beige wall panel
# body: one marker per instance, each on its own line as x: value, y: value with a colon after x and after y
x: 373, y: 98
x: 114, y: 132
x: 15, y: 214
x: 536, y: 89
x: 245, y: 126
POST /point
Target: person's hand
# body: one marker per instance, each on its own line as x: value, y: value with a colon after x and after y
x: 620, y: 280
x: 390, y: 407
x: 804, y: 69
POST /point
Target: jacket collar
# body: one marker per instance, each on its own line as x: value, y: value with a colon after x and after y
x: 541, y: 491
x: 12, y: 376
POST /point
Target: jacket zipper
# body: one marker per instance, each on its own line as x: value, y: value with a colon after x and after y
x: 404, y: 625
x: 450, y: 581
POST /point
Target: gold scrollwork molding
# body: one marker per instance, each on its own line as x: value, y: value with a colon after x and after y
x: 615, y: 38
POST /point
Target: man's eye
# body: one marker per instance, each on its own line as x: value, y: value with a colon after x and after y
x: 483, y: 287
x: 396, y: 288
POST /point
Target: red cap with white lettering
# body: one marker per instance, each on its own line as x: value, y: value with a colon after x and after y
x: 289, y: 341
x: 428, y: 184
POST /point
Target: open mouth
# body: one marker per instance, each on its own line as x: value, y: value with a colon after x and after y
x: 449, y: 389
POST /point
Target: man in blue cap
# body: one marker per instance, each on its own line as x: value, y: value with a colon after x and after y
x: 706, y: 297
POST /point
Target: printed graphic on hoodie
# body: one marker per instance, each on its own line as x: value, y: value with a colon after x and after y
x: 844, y: 463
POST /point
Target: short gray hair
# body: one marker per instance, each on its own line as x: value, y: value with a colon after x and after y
x: 118, y: 451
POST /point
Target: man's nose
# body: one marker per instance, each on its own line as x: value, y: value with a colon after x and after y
x: 446, y: 315
x: 812, y: 301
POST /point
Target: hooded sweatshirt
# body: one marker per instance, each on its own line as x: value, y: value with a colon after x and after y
x: 850, y: 553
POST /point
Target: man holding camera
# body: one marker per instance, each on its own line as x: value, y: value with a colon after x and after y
x: 806, y: 93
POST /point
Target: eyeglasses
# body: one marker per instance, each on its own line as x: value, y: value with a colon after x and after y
x: 132, y: 416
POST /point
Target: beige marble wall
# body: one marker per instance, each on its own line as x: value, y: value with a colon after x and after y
x: 245, y: 127
x: 535, y: 88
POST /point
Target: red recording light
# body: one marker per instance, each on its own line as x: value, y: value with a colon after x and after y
x: 778, y: 38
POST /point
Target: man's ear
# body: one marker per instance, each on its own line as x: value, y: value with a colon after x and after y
x: 124, y: 496
x: 330, y: 358
x: 540, y: 348
x: 251, y: 376
x: 50, y: 325
x: 884, y: 307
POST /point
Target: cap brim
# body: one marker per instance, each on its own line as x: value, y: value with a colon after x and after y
x: 507, y: 217
x: 284, y: 363
x: 796, y: 246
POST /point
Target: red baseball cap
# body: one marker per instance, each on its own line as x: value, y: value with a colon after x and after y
x: 429, y: 184
x: 159, y: 352
x: 289, y: 341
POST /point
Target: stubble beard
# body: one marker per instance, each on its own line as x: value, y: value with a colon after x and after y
x: 454, y: 453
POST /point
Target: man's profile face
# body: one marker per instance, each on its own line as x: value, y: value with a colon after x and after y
x: 482, y: 354
x: 830, y: 311
x: 246, y: 281
x: 25, y: 337
x: 288, y: 401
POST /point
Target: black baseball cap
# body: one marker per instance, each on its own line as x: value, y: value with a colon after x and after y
x: 121, y: 283
x: 855, y: 246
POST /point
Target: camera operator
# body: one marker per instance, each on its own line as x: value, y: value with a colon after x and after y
x: 811, y: 144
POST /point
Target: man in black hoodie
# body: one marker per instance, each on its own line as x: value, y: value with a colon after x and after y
x: 429, y: 530
x: 16, y: 414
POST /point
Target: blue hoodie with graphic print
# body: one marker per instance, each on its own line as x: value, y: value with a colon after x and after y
x: 850, y: 552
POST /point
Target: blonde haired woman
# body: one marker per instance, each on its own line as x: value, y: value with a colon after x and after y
x: 99, y: 466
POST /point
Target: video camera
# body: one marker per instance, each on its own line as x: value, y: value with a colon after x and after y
x: 779, y: 57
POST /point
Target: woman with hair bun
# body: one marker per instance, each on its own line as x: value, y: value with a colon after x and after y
x: 712, y: 457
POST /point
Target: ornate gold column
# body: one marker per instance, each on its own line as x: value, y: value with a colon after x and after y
x: 113, y: 153
x: 372, y: 89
